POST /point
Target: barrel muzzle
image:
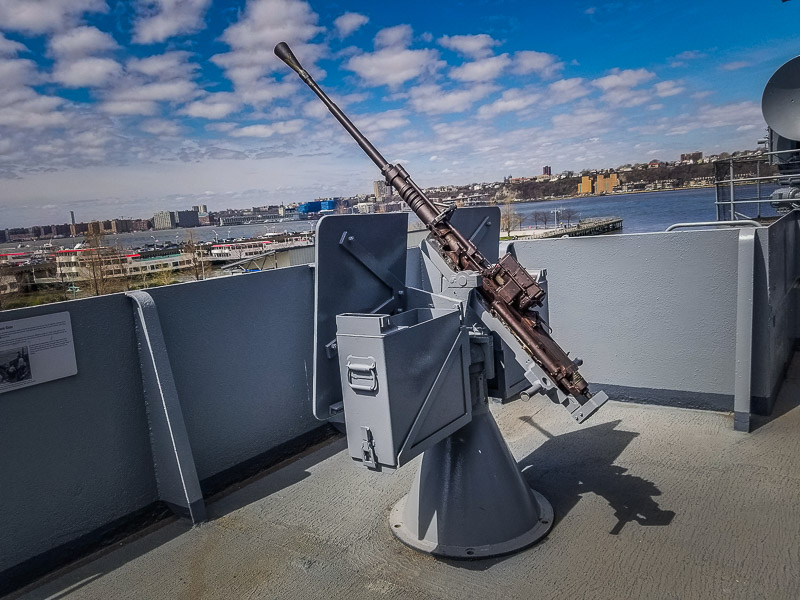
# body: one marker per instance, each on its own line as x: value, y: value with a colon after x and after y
x: 283, y: 52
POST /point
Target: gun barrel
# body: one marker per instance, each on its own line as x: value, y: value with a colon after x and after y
x: 285, y: 53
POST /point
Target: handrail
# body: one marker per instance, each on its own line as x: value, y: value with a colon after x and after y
x: 710, y: 223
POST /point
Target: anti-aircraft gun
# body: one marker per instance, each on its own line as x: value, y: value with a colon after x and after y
x: 408, y: 365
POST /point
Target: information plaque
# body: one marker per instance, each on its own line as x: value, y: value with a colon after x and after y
x: 36, y: 350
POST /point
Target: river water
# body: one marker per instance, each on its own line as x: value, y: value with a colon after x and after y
x: 642, y: 212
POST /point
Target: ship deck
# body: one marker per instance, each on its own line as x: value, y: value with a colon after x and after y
x: 650, y: 502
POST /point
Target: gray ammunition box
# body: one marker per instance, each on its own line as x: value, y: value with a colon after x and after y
x: 418, y: 358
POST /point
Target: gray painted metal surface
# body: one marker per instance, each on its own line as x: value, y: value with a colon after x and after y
x: 75, y: 452
x: 173, y: 463
x: 744, y: 330
x: 662, y: 314
x: 775, y: 307
x: 360, y: 267
x: 469, y: 498
x: 411, y: 380
x: 650, y: 502
x: 404, y: 379
x: 712, y: 224
x: 240, y: 350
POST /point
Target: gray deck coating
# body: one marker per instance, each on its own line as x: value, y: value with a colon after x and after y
x: 650, y: 502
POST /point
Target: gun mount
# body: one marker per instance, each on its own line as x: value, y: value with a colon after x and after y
x: 506, y: 289
x: 408, y: 361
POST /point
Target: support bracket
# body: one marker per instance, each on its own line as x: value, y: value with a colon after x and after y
x: 176, y: 474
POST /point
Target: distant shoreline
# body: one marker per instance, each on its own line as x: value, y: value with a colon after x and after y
x: 588, y: 196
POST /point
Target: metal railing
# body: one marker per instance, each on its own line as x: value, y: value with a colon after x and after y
x: 744, y: 184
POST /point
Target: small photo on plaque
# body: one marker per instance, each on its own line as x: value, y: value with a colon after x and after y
x: 14, y: 365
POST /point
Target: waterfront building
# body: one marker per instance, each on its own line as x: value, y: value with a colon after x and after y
x: 121, y: 225
x: 200, y: 208
x: 187, y: 218
x: 598, y: 184
x: 382, y: 190
x: 87, y: 264
x: 605, y: 184
x: 95, y: 228
x: 365, y: 207
x: 164, y: 220
x: 692, y: 157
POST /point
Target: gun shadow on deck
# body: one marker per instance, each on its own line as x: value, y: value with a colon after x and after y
x: 568, y: 466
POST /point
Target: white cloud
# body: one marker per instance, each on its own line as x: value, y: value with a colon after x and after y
x: 10, y: 47
x: 393, y: 66
x: 740, y: 116
x: 177, y: 90
x: 163, y: 66
x: 17, y: 72
x: 25, y: 109
x: 484, y: 69
x: 221, y: 127
x: 566, y: 90
x: 473, y: 46
x: 76, y: 62
x: 398, y: 36
x: 689, y: 55
x: 160, y: 127
x: 544, y: 65
x: 348, y: 23
x: 160, y: 20
x: 129, y: 107
x: 44, y: 16
x: 213, y: 106
x: 374, y: 124
x: 264, y: 24
x: 91, y: 71
x: 81, y: 41
x: 680, y: 60
x: 623, y: 79
x: 735, y: 65
x: 582, y: 122
x: 511, y: 101
x: 626, y: 97
x: 432, y: 99
x: 667, y: 88
x: 265, y: 131
x: 619, y: 87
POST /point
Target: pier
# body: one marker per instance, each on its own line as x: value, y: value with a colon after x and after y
x: 590, y: 226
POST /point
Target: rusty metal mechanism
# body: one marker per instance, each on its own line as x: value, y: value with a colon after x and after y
x: 506, y: 289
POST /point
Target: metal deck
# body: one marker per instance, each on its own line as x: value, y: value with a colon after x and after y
x: 672, y: 504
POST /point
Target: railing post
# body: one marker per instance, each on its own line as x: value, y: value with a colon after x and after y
x: 744, y: 330
x: 176, y: 475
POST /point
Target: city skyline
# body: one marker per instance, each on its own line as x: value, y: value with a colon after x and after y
x: 118, y: 108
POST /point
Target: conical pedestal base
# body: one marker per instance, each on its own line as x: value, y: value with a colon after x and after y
x: 469, y: 499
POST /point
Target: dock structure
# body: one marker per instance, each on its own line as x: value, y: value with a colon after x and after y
x: 592, y: 226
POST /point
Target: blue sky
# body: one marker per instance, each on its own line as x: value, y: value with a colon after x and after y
x: 116, y: 109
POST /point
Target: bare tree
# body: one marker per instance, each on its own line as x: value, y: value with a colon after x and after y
x: 193, y: 250
x: 93, y: 259
x: 569, y: 215
x: 510, y: 220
